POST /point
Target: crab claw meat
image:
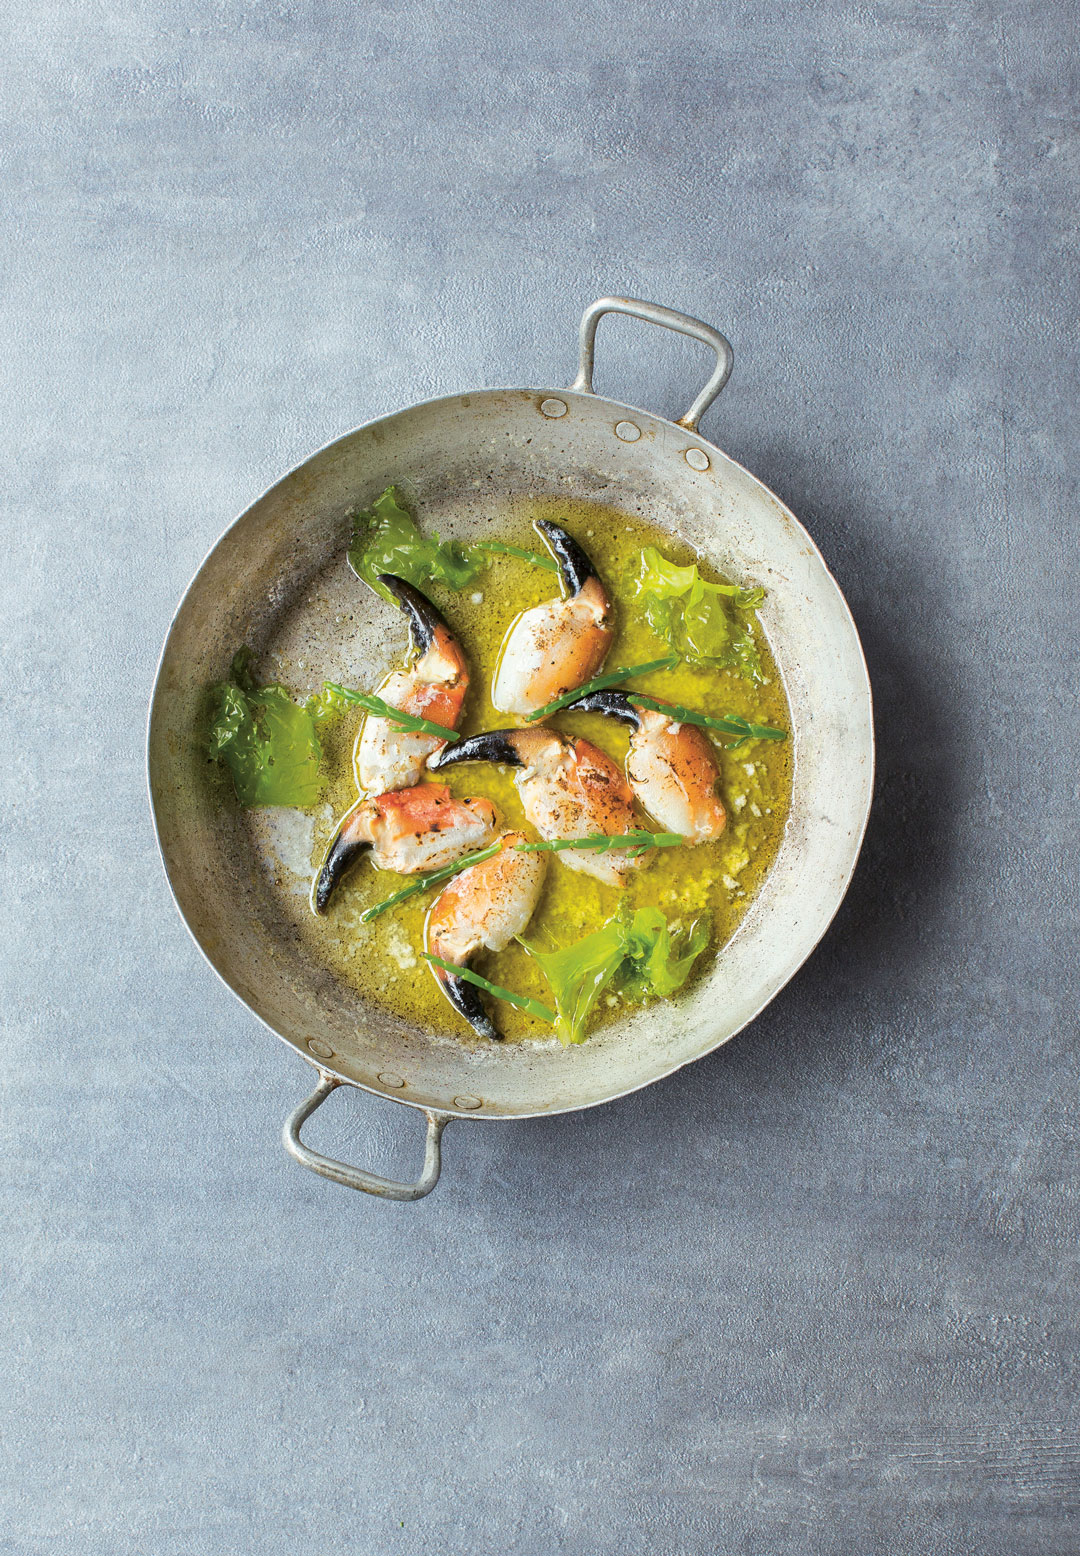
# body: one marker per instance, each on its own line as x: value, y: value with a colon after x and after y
x: 386, y: 757
x: 483, y: 908
x: 408, y: 830
x: 671, y: 767
x: 569, y: 789
x: 560, y: 644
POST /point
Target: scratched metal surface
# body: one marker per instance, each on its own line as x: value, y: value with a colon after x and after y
x: 814, y: 1294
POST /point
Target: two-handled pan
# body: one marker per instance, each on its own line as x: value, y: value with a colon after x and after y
x: 271, y: 580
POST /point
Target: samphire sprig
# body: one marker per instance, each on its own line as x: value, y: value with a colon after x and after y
x: 422, y: 882
x: 601, y: 682
x: 636, y: 841
x: 730, y: 724
x: 383, y: 710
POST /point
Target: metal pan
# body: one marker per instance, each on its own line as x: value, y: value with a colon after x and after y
x: 276, y: 578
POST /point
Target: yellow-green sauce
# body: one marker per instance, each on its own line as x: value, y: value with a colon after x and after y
x: 383, y: 959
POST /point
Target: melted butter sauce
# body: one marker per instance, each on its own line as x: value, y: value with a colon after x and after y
x: 383, y: 961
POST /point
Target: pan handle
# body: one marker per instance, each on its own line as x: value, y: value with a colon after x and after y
x: 356, y: 1177
x: 654, y: 313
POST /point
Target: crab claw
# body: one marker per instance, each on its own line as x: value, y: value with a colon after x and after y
x: 560, y: 644
x: 671, y: 766
x: 482, y: 908
x: 387, y: 757
x: 569, y: 789
x: 408, y: 830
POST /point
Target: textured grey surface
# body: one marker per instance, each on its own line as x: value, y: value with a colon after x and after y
x: 816, y: 1294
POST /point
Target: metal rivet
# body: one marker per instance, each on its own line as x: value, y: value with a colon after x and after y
x: 468, y: 1104
x: 553, y: 407
x: 388, y: 1078
x: 627, y: 431
x: 320, y: 1049
x: 697, y: 459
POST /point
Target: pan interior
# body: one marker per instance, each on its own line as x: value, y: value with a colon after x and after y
x: 465, y: 461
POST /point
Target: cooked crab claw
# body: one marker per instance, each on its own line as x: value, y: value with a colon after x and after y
x: 569, y: 789
x: 671, y: 767
x: 408, y: 830
x: 482, y: 909
x: 560, y: 644
x: 386, y: 757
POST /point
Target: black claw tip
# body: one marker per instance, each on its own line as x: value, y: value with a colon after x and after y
x: 465, y: 998
x: 616, y: 705
x: 424, y: 619
x: 343, y: 854
x: 494, y: 745
x: 574, y: 564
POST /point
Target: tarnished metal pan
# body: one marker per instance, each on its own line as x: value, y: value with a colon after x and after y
x: 272, y: 580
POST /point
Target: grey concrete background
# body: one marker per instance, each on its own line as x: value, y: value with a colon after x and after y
x: 816, y: 1294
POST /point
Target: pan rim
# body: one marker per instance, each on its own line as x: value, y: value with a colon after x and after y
x: 592, y: 400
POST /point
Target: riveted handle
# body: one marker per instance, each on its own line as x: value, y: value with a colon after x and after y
x: 655, y: 313
x: 357, y: 1177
